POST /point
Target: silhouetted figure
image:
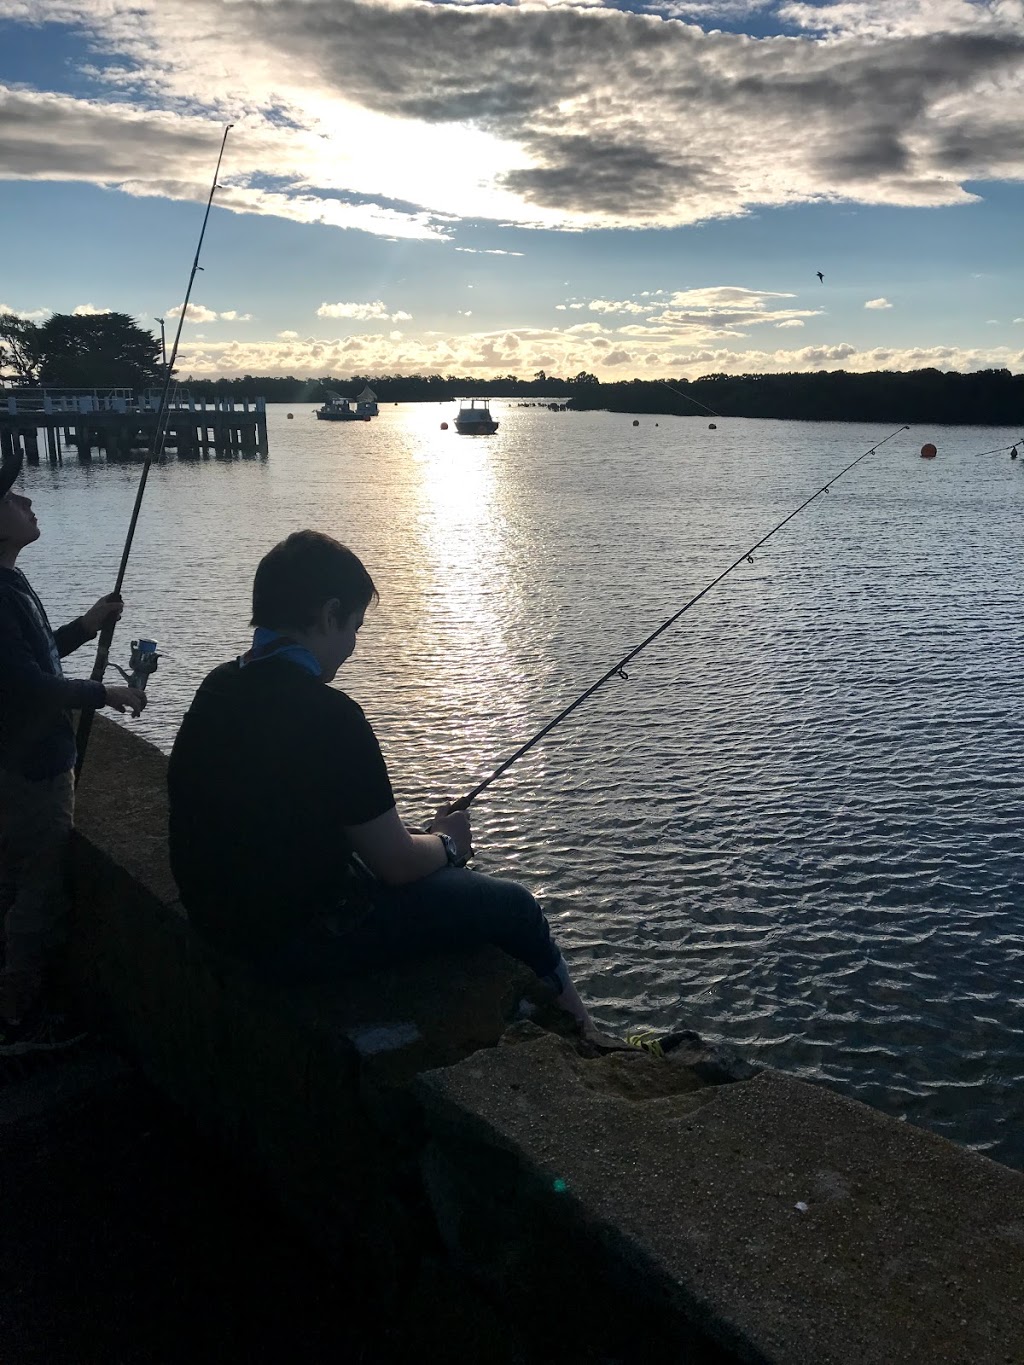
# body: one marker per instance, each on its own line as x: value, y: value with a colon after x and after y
x: 821, y: 278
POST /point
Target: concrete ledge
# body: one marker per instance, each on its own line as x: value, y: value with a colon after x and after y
x: 294, y: 1082
x: 620, y: 1209
x: 786, y: 1223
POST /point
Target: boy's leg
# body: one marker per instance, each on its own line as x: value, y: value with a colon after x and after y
x: 452, y: 909
x: 36, y: 819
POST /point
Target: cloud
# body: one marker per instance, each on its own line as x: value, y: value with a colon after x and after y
x: 29, y: 314
x: 288, y: 336
x: 492, y: 251
x: 887, y: 19
x: 87, y: 310
x: 704, y: 314
x: 198, y: 313
x: 878, y: 303
x: 379, y: 116
x: 362, y: 311
x: 626, y: 306
x: 609, y: 353
x: 47, y: 136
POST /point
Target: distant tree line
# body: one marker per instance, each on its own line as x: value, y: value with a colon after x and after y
x: 411, y: 388
x: 983, y: 398
x: 110, y: 350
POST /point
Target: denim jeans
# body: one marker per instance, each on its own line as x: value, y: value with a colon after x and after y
x: 452, y: 909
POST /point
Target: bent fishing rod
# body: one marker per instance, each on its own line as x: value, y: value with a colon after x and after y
x: 618, y: 670
x: 156, y: 448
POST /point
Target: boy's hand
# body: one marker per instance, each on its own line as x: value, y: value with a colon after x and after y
x: 454, y: 823
x: 107, y: 608
x: 126, y: 699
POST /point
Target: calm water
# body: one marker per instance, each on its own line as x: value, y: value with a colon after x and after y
x: 798, y: 826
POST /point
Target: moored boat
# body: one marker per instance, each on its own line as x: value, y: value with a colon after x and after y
x: 475, y: 419
x: 339, y: 409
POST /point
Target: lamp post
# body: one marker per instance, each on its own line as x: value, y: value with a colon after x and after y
x: 163, y: 342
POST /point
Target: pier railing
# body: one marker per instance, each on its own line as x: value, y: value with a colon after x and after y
x: 122, y: 424
x: 123, y: 401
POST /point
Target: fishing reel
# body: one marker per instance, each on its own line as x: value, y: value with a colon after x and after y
x: 143, y: 662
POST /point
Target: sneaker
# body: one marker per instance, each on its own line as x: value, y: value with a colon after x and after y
x: 647, y: 1042
x: 40, y: 1033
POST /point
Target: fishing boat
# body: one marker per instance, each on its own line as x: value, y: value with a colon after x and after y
x: 339, y: 409
x: 475, y: 419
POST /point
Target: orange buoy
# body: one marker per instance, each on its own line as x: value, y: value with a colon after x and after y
x: 444, y: 426
x: 291, y: 416
x: 928, y: 451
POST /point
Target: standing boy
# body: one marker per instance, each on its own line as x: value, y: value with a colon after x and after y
x: 37, y: 759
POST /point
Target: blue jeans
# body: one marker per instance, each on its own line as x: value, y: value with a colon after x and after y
x: 453, y: 909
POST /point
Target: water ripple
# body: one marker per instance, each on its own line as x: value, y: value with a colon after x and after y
x: 798, y: 826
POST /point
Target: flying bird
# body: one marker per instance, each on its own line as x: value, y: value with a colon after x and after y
x: 821, y: 277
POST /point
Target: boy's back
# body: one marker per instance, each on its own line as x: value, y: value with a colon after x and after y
x: 268, y: 767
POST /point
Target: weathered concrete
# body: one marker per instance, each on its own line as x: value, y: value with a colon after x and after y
x: 790, y: 1224
x: 622, y: 1208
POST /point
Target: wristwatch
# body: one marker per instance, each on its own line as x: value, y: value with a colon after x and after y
x: 450, y: 850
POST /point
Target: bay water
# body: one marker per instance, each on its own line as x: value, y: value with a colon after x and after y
x: 798, y: 826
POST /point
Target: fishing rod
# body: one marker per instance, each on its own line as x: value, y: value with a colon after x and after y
x: 143, y: 661
x: 1001, y: 450
x: 618, y: 670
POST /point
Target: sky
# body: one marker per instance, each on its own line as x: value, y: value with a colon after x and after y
x: 639, y: 190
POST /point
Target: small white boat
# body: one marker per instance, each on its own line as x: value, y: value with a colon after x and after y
x: 475, y: 419
x: 339, y: 409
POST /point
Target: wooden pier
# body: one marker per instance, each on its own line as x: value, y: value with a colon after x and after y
x: 117, y: 424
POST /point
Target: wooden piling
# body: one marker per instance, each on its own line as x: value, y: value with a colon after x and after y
x: 113, y: 423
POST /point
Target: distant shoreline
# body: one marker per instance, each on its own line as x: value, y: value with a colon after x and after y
x: 982, y: 398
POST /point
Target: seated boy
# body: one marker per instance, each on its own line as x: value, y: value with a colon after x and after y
x: 276, y: 780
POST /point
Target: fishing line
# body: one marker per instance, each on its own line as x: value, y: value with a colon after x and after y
x: 1000, y: 450
x: 617, y: 670
x: 156, y: 448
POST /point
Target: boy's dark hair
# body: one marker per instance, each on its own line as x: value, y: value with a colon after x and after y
x: 300, y: 574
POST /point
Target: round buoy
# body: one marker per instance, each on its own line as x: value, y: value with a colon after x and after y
x: 291, y: 416
x: 444, y: 426
x: 928, y: 451
x: 657, y: 424
x: 635, y: 422
x: 712, y: 426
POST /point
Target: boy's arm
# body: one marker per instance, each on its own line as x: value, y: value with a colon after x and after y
x: 23, y: 680
x: 88, y: 625
x: 393, y: 853
x: 73, y: 636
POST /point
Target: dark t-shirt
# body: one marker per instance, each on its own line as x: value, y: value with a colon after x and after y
x: 268, y: 766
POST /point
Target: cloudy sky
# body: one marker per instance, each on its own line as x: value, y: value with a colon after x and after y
x: 642, y: 189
